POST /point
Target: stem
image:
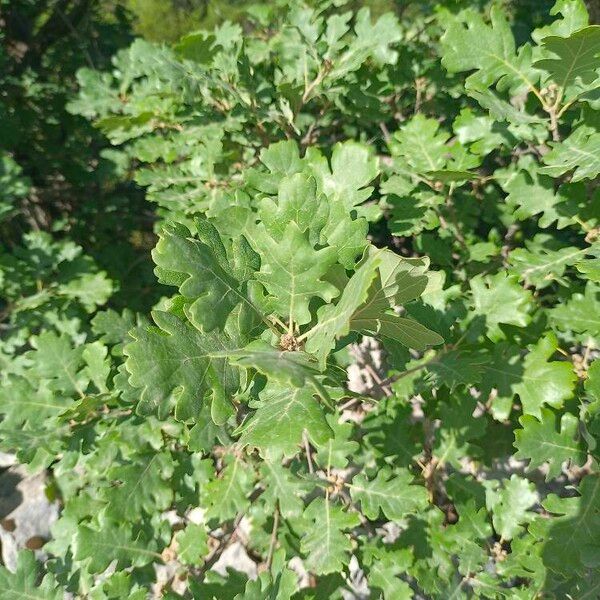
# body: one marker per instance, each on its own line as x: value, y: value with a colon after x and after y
x: 279, y: 322
x: 214, y: 556
x: 554, y: 124
x: 273, y: 537
x: 380, y: 384
x: 322, y: 393
x: 311, y: 468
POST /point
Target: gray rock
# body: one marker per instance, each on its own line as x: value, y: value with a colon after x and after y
x: 26, y: 513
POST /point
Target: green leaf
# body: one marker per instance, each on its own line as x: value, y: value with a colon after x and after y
x: 57, y: 361
x: 282, y: 416
x: 389, y: 493
x: 571, y: 537
x: 399, y: 281
x: 500, y: 300
x: 541, y: 264
x: 21, y: 404
x: 325, y: 543
x: 544, y: 382
x: 191, y: 544
x: 472, y: 527
x: 334, y: 320
x: 292, y: 271
x: 580, y: 313
x: 540, y: 442
x: 384, y: 566
x: 574, y: 17
x: 575, y: 59
x: 112, y: 542
x: 227, y: 495
x: 510, y: 504
x: 295, y: 368
x: 421, y: 145
x: 298, y: 201
x: 284, y: 490
x: 468, y: 44
x: 23, y: 583
x: 177, y: 366
x: 340, y: 446
x: 533, y: 194
x: 194, y: 266
x: 353, y: 167
x: 279, y: 585
x: 141, y: 485
x: 580, y: 153
x: 408, y: 332
x: 460, y: 429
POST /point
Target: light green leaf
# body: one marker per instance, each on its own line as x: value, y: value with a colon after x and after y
x: 292, y: 271
x: 325, y: 543
x: 541, y: 266
x: 575, y: 59
x: 579, y: 314
x: 282, y: 416
x: 141, y: 485
x: 284, y: 489
x: 540, y: 442
x: 24, y: 582
x: 469, y: 43
x: 510, y: 504
x: 544, y: 382
x: 192, y: 544
x: 391, y: 494
x: 112, y: 542
x: 227, y: 495
x: 580, y: 153
x: 500, y: 300
x: 421, y: 145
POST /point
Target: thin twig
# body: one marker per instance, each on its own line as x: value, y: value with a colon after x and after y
x: 311, y: 469
x: 227, y: 539
x: 386, y: 134
x: 273, y: 538
x: 380, y: 384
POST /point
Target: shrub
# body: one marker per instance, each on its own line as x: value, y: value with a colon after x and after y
x: 416, y: 196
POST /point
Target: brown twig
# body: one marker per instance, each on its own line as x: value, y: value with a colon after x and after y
x: 227, y: 539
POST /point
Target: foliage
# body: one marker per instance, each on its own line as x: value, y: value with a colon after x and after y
x: 318, y: 178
